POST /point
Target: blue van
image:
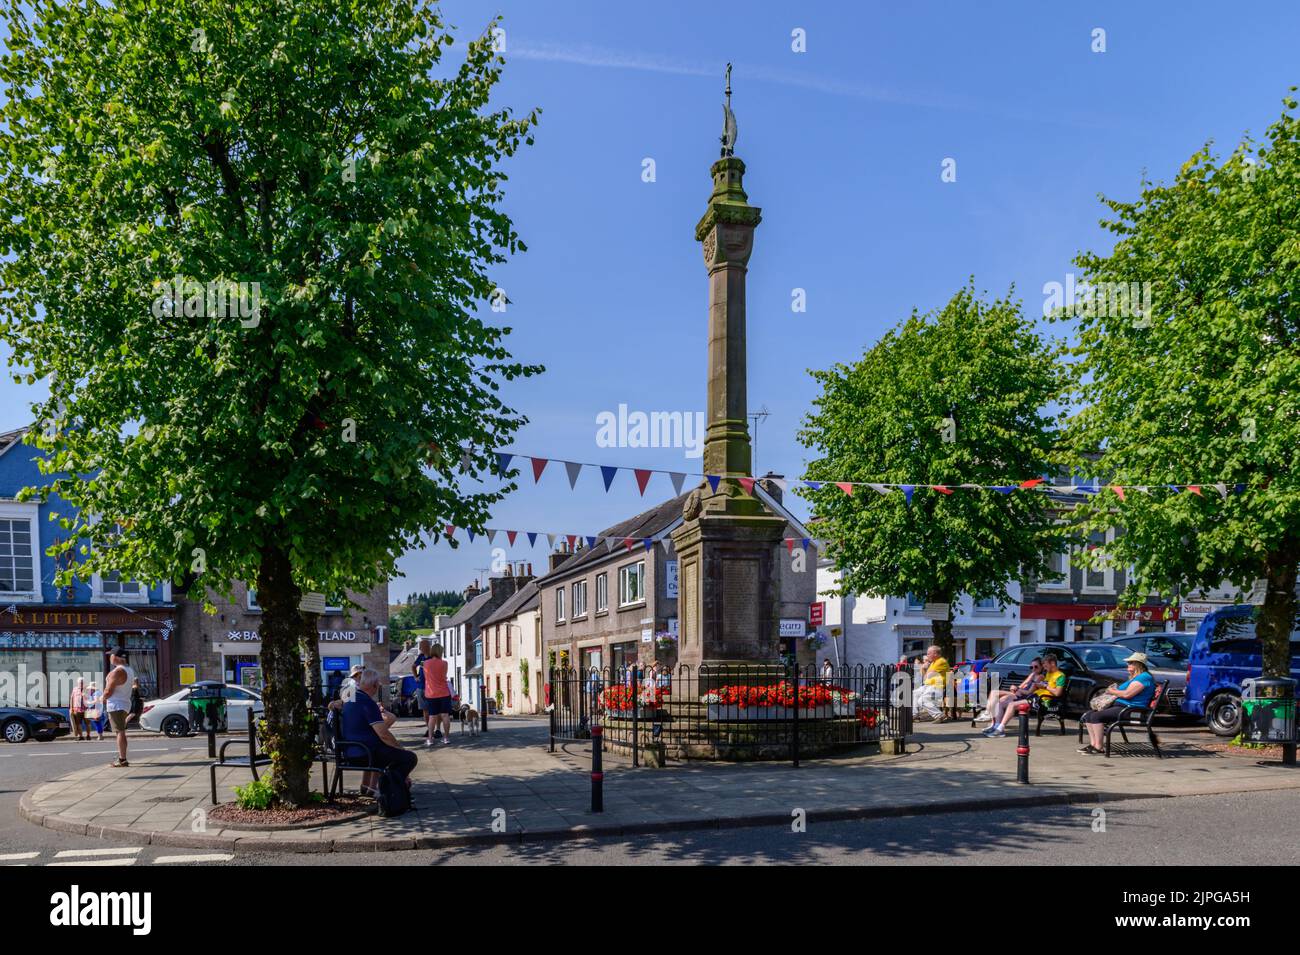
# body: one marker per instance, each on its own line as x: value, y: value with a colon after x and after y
x: 1225, y: 652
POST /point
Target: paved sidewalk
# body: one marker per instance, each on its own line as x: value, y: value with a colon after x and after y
x: 507, y: 777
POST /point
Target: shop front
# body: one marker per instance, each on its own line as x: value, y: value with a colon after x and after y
x: 972, y: 642
x: 340, y: 650
x: 44, y: 650
x: 1076, y: 622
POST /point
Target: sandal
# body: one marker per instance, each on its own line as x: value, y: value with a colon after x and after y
x: 118, y: 763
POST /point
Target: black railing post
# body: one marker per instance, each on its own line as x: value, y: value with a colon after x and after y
x: 1022, y: 748
x: 483, y: 690
x: 597, y: 771
x: 636, y: 716
x: 794, y: 723
x: 552, y: 708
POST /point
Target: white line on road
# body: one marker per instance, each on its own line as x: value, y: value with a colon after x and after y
x: 95, y: 862
x: 16, y: 856
x: 66, y: 853
x: 209, y: 857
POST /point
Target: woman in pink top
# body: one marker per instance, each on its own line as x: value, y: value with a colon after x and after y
x: 77, y: 709
x: 437, y: 697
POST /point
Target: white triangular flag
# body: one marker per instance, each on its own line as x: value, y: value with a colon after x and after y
x: 782, y: 483
x: 1141, y: 488
x: 880, y: 488
x: 491, y: 534
x: 1223, y: 490
x: 678, y: 479
x: 550, y: 540
x: 573, y: 469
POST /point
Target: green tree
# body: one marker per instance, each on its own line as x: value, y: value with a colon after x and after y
x: 305, y: 432
x: 1205, y: 389
x: 958, y: 396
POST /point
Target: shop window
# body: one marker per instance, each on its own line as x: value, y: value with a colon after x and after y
x: 631, y: 584
x: 18, y: 573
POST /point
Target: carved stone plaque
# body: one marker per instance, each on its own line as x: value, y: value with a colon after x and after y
x: 740, y: 593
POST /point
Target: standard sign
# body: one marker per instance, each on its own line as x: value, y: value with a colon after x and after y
x: 793, y: 628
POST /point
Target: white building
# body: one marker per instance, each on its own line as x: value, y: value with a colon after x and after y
x: 866, y: 629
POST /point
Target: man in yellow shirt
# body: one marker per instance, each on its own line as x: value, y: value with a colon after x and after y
x: 934, y: 674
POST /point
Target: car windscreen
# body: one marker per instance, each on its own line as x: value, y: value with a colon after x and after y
x: 1103, y: 656
x: 1236, y: 634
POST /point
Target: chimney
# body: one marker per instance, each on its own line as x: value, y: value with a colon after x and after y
x: 557, y: 558
x: 472, y: 591
x: 503, y: 587
x: 770, y: 486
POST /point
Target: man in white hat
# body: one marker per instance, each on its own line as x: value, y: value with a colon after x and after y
x: 348, y: 691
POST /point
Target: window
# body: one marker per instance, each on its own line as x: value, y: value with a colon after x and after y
x: 252, y: 599
x: 1059, y: 564
x: 915, y: 602
x: 988, y: 605
x: 579, y: 599
x: 496, y: 640
x: 559, y: 604
x: 112, y: 585
x: 1100, y: 577
x: 602, y: 592
x: 334, y: 603
x: 631, y: 584
x: 507, y: 626
x: 1054, y: 631
x: 510, y: 691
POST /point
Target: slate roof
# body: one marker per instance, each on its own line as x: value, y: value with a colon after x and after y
x: 521, y: 601
x: 649, y: 523
x: 466, y: 613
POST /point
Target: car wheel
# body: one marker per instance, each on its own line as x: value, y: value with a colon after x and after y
x: 1223, y: 714
x: 176, y: 726
x: 16, y: 731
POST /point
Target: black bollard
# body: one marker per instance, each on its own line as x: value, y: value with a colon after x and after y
x: 597, y: 775
x: 636, y: 717
x: 1022, y: 748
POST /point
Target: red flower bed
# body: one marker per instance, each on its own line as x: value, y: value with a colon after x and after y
x: 618, y: 699
x: 773, y: 694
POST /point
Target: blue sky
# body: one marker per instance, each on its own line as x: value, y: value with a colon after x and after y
x: 844, y: 145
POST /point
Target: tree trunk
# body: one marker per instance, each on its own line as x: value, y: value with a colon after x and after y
x: 311, y: 659
x: 289, y: 737
x: 1277, y: 617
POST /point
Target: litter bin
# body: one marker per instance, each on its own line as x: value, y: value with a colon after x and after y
x: 208, y: 707
x: 1268, y: 709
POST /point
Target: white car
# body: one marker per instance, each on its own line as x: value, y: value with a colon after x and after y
x: 171, y: 715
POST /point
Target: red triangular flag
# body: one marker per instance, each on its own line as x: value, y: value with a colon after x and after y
x: 510, y: 536
x: 642, y: 478
x: 628, y: 542
x: 845, y: 486
x: 941, y: 488
x: 1195, y: 489
x: 1119, y: 491
x: 539, y: 465
x: 747, y: 484
x: 449, y: 530
x: 571, y: 538
x: 1032, y: 482
x: 789, y: 545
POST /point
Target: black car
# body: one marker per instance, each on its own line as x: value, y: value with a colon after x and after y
x: 18, y: 724
x: 1089, y: 667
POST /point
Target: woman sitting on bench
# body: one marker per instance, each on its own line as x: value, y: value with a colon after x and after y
x: 1000, y: 699
x: 1136, y: 691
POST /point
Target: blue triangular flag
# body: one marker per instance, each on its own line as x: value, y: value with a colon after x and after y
x: 1173, y: 487
x: 503, y: 462
x: 471, y: 535
x: 1004, y: 488
x: 804, y: 542
x: 591, y: 542
x: 1238, y: 488
x: 608, y: 473
x: 649, y: 543
x: 907, y: 492
x: 714, y: 480
x: 532, y: 538
x: 814, y: 485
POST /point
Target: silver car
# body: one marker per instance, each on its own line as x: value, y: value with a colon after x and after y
x: 171, y: 715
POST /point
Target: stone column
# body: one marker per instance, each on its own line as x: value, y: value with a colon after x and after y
x: 729, y: 543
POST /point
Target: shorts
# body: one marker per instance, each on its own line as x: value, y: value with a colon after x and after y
x: 118, y: 719
x: 437, y: 706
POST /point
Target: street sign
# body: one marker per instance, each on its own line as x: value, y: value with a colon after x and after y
x: 793, y: 628
x: 816, y: 614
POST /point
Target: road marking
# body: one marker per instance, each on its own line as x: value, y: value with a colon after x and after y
x: 210, y: 857
x: 148, y: 749
x: 66, y: 853
x: 16, y: 856
x: 95, y: 862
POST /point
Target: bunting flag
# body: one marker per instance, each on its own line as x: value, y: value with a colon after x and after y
x: 907, y: 492
x: 642, y: 479
x: 574, y: 469
x: 845, y: 486
x: 1195, y: 489
x: 465, y: 462
x: 539, y: 465
x: 813, y: 485
x: 449, y: 530
x: 503, y: 462
x: 1223, y: 490
x: 1141, y: 489
x: 678, y: 478
x: 471, y: 535
x: 591, y: 542
x: 1031, y: 483
x: 607, y: 473
x: 789, y: 545
x: 747, y: 485
x: 510, y: 537
x: 628, y: 542
x: 649, y: 544
x: 532, y: 538
x: 714, y: 479
x: 572, y: 539
x: 942, y: 489
x: 1119, y: 491
x: 1004, y: 488
x: 550, y: 541
x: 491, y: 535
x: 781, y: 483
x: 804, y: 542
x: 880, y: 488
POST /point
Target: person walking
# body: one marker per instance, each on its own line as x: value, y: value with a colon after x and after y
x: 94, y: 711
x: 137, y: 703
x: 437, y: 697
x: 77, y: 710
x: 117, y: 700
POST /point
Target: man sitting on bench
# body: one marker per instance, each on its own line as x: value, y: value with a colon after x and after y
x: 1048, y: 687
x: 362, y: 721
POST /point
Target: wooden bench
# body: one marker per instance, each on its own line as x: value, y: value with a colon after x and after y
x: 1136, y: 717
